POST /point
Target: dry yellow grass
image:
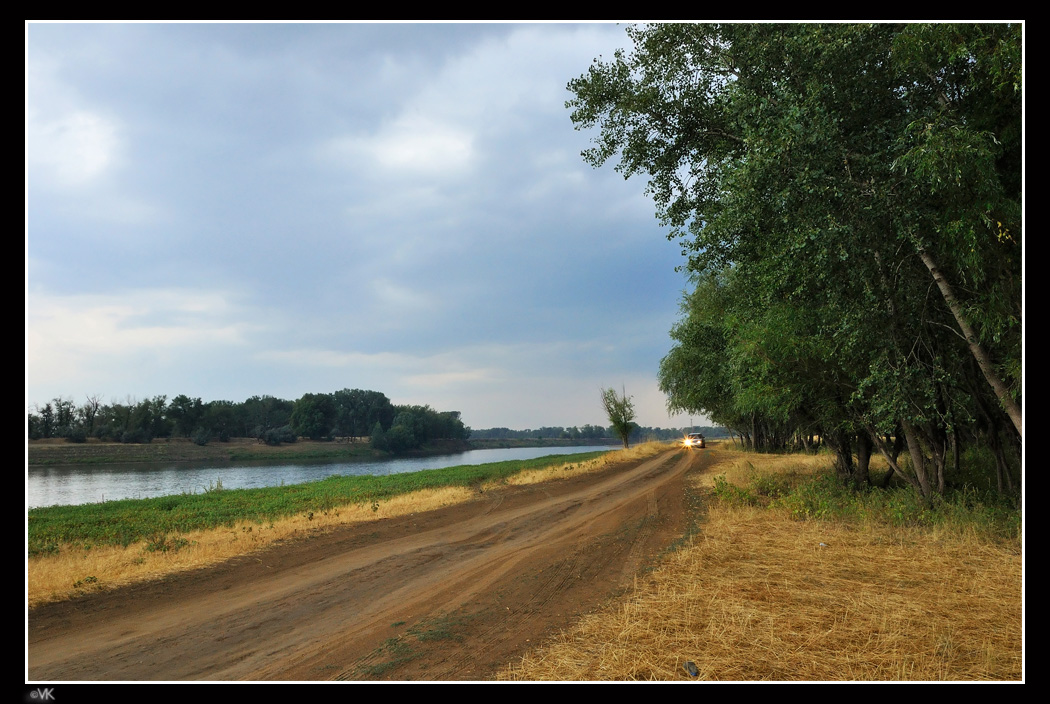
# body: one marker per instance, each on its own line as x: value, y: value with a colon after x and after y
x: 739, y: 466
x: 52, y: 578
x: 74, y: 570
x: 759, y: 596
x: 536, y: 476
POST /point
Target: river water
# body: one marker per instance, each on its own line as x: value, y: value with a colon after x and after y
x: 79, y: 484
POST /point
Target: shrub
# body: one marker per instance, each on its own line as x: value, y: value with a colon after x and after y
x: 732, y: 494
x: 137, y: 435
x: 275, y: 436
x: 76, y: 435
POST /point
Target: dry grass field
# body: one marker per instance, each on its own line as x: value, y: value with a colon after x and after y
x: 758, y: 595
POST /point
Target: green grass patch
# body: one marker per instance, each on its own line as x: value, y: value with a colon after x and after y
x: 394, y: 653
x: 436, y: 629
x: 407, y: 647
x: 824, y: 497
x: 132, y: 520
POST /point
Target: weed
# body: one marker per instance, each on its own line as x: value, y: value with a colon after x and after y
x: 85, y: 581
x: 49, y: 548
x: 436, y: 629
x: 395, y: 651
x: 160, y: 542
x: 402, y: 649
x: 380, y: 669
x: 732, y: 494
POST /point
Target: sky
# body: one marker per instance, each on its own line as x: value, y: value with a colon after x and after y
x: 230, y: 210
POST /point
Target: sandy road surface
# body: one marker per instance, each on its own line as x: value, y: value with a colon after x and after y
x: 443, y: 595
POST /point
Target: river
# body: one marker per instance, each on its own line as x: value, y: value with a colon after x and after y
x: 78, y: 484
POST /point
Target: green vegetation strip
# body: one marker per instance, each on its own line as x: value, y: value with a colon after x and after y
x: 128, y: 521
x: 985, y: 514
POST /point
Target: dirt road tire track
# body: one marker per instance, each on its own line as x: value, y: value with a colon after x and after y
x: 444, y: 595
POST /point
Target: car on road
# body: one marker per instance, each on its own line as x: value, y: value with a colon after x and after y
x: 694, y: 440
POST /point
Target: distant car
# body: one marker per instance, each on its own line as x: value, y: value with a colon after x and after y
x: 694, y: 440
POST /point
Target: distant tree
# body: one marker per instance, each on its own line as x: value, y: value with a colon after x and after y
x: 88, y: 412
x: 186, y: 414
x: 314, y: 416
x: 47, y: 421
x: 65, y: 415
x: 620, y: 410
x: 378, y: 437
x: 221, y: 418
x: 33, y: 427
x: 357, y: 411
x: 261, y: 414
x: 149, y: 419
x: 276, y: 436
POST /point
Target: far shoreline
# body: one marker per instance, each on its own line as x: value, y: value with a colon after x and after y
x: 54, y: 451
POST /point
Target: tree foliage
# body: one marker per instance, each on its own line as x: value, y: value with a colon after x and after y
x: 848, y: 198
x: 349, y: 413
x: 620, y: 410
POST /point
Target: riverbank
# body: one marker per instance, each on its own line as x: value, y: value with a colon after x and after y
x: 61, y: 452
x: 506, y: 443
x: 406, y: 593
x: 119, y: 542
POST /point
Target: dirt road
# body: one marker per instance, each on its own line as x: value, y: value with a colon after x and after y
x: 452, y: 594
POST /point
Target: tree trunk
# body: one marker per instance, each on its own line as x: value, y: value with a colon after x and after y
x: 860, y: 470
x: 984, y: 360
x: 918, y: 460
x: 895, y: 468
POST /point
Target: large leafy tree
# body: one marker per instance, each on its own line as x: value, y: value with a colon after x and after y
x: 843, y: 176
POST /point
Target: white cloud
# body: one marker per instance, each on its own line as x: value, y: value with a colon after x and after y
x: 416, y: 143
x: 102, y: 338
x: 336, y: 359
x: 496, y: 87
x: 71, y: 149
x: 67, y: 144
x: 74, y: 149
x: 412, y: 144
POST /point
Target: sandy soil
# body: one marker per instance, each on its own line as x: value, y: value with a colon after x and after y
x: 453, y: 594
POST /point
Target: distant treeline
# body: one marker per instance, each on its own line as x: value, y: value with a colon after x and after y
x: 593, y: 432
x: 349, y: 414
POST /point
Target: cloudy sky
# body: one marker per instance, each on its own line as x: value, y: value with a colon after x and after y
x: 225, y: 210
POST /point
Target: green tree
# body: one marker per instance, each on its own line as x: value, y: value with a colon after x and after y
x: 839, y: 174
x: 358, y: 411
x: 619, y: 408
x: 186, y: 415
x: 314, y: 416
